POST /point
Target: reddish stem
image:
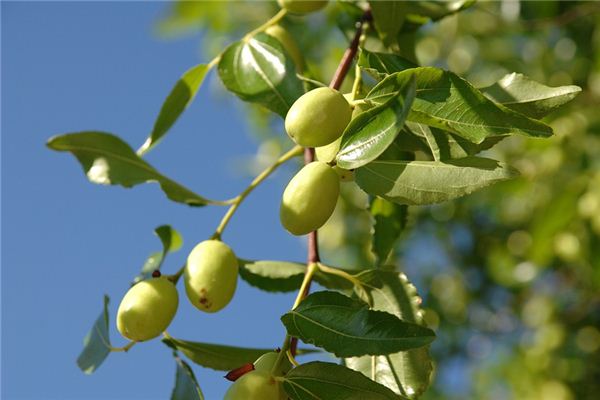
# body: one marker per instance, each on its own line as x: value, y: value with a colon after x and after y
x: 309, y: 152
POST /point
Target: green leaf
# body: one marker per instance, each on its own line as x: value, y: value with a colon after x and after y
x: 446, y: 101
x: 437, y: 9
x: 171, y: 241
x: 96, y: 344
x: 186, y: 385
x: 326, y: 381
x: 178, y: 100
x: 380, y: 65
x: 347, y: 328
x: 408, y: 372
x: 258, y: 70
x: 389, y: 220
x: 388, y: 17
x: 428, y: 182
x: 373, y: 131
x: 445, y: 145
x: 284, y: 276
x: 216, y: 356
x: 272, y: 276
x: 108, y: 160
x: 522, y: 94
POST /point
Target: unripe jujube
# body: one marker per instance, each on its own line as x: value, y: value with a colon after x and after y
x: 147, y: 309
x: 288, y: 43
x: 302, y: 6
x: 310, y: 198
x: 210, y: 275
x: 255, y: 385
x: 318, y: 117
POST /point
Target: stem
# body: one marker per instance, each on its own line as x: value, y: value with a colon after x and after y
x: 340, y: 273
x: 124, y: 348
x: 309, y: 156
x: 175, y: 277
x: 237, y: 201
x: 288, y: 341
x: 274, y: 20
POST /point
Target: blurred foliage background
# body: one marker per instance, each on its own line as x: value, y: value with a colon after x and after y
x: 510, y: 276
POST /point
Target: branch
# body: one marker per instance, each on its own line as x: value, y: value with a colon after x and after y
x: 309, y: 154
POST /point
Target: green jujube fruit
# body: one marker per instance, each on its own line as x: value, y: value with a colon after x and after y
x: 266, y: 362
x: 147, y: 309
x: 302, y: 6
x: 318, y: 117
x: 288, y: 43
x: 210, y: 275
x: 310, y: 198
x: 255, y: 385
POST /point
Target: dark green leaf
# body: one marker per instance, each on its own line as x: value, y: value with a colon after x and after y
x: 272, y: 276
x: 388, y: 17
x: 373, y: 131
x: 96, y: 344
x: 347, y: 328
x: 258, y: 70
x: 522, y: 94
x: 428, y: 182
x: 380, y: 65
x: 284, y: 276
x: 445, y: 145
x: 446, y: 101
x: 186, y: 385
x: 326, y: 381
x: 389, y: 220
x: 408, y: 372
x: 171, y: 241
x: 108, y: 160
x: 216, y: 356
x: 180, y: 97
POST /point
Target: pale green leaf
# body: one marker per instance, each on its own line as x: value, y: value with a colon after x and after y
x: 428, y: 182
x: 178, y: 100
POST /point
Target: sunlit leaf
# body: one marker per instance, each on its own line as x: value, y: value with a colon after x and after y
x: 522, y: 94
x: 258, y: 70
x: 428, y: 182
x: 178, y: 100
x: 380, y: 65
x: 446, y: 101
x: 373, y: 131
x: 108, y: 160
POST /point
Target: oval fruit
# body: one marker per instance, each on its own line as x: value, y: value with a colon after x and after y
x: 318, y: 117
x: 310, y: 198
x: 266, y: 362
x: 255, y: 385
x: 210, y: 275
x: 302, y: 6
x: 288, y: 43
x: 147, y: 309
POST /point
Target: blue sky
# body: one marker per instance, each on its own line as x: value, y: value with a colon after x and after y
x: 65, y: 242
